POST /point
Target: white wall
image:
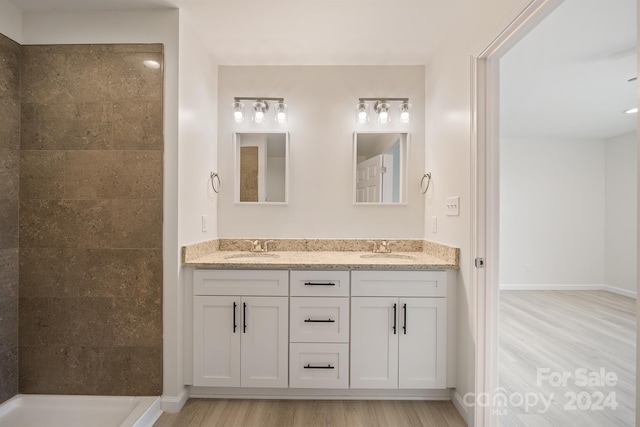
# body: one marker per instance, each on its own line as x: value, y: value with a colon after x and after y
x: 552, y: 195
x: 321, y: 123
x: 621, y: 210
x: 148, y: 26
x: 198, y: 136
x: 10, y: 21
x: 448, y: 158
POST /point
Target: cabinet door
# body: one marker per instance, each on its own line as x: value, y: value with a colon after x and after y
x: 216, y: 345
x: 374, y: 344
x: 422, y: 360
x: 265, y: 341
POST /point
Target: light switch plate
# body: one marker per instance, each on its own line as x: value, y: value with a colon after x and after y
x: 453, y: 206
x: 204, y: 223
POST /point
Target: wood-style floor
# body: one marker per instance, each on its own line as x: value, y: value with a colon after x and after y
x: 313, y: 413
x: 565, y: 331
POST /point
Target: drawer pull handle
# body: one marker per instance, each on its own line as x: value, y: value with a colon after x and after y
x: 404, y: 328
x: 235, y: 326
x: 244, y: 317
x: 319, y: 367
x: 395, y: 317
x: 319, y: 321
x: 319, y: 284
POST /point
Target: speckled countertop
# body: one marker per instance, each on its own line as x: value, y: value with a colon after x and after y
x: 430, y: 258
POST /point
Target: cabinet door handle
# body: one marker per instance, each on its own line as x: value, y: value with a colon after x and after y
x: 404, y: 328
x: 319, y: 284
x: 244, y: 317
x: 319, y: 321
x: 319, y: 367
x: 395, y: 317
x: 235, y: 326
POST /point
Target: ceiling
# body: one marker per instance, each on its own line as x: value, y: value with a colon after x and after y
x: 566, y: 79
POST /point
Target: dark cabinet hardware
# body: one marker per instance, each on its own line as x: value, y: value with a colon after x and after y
x: 395, y: 317
x: 235, y: 326
x: 319, y: 367
x: 244, y: 317
x: 319, y: 321
x: 319, y: 284
x: 404, y: 328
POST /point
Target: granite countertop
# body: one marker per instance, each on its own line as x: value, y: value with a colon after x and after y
x: 336, y: 260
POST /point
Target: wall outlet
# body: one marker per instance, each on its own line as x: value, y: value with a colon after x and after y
x: 453, y: 206
x: 204, y: 223
x: 434, y: 224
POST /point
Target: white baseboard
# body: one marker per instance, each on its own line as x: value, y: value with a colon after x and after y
x: 460, y: 406
x: 318, y: 394
x: 546, y: 287
x: 173, y: 404
x: 151, y: 415
x: 538, y: 287
x: 620, y: 291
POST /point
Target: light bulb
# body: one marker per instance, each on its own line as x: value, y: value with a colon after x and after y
x: 259, y: 117
x: 384, y: 117
x: 237, y: 116
x: 282, y: 117
x: 362, y: 116
x: 362, y: 112
x: 281, y: 112
x: 404, y: 117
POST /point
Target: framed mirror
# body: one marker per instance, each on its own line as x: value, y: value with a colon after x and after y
x: 380, y: 167
x: 261, y: 162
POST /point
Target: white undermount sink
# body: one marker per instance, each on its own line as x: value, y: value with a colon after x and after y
x: 386, y: 256
x: 248, y: 256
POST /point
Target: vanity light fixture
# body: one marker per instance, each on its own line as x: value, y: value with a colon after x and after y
x: 238, y: 111
x: 260, y: 108
x: 382, y: 107
x: 362, y: 112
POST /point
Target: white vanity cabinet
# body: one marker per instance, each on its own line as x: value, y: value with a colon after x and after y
x: 398, y: 329
x: 240, y: 333
x: 319, y: 329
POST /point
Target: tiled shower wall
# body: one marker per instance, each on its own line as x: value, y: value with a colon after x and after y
x: 90, y: 310
x: 9, y: 185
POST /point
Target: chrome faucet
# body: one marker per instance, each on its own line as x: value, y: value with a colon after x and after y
x: 258, y: 246
x: 382, y: 247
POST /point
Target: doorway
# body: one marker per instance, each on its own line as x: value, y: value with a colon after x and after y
x: 487, y: 218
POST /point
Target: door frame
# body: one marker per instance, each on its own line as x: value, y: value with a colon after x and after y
x: 485, y: 195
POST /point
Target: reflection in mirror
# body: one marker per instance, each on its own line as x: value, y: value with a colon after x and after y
x: 261, y: 167
x: 380, y: 167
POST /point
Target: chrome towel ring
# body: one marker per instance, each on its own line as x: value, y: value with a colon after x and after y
x: 426, y: 176
x: 215, y: 182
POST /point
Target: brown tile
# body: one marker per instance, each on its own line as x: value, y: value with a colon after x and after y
x: 41, y: 174
x: 137, y: 224
x: 9, y: 173
x: 123, y: 371
x: 81, y: 126
x: 135, y: 175
x: 8, y: 224
x: 43, y: 321
x: 137, y: 126
x: 43, y: 77
x: 8, y: 374
x: 9, y: 123
x: 138, y: 48
x: 42, y: 272
x: 9, y: 68
x: 87, y: 173
x: 9, y: 273
x: 136, y: 322
x: 132, y: 273
x: 133, y: 81
x: 65, y: 224
x: 8, y: 323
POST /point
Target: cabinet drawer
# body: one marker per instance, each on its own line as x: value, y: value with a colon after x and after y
x: 315, y: 319
x: 399, y: 283
x: 241, y: 282
x: 320, y: 283
x: 319, y: 366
